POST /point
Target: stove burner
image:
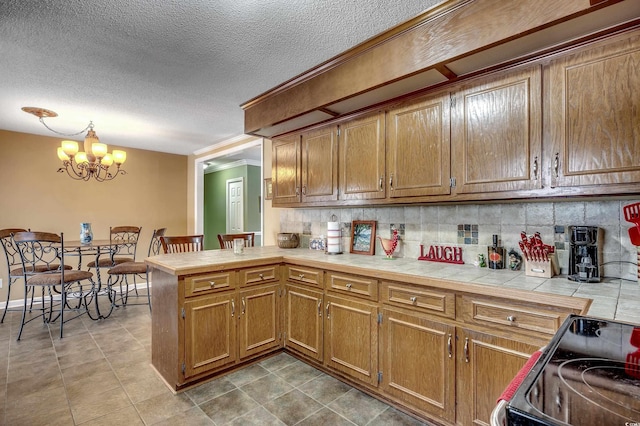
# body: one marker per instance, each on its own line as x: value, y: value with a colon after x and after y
x: 600, y: 382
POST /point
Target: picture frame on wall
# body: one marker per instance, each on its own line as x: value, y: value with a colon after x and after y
x: 268, y: 189
x: 363, y: 234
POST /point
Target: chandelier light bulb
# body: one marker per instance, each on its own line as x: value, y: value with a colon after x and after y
x: 119, y: 157
x: 62, y: 155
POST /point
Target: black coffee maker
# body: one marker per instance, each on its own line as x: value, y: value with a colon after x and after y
x: 585, y: 253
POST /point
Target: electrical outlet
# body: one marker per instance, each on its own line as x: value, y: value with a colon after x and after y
x: 0, y: 282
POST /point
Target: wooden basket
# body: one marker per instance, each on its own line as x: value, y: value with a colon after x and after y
x: 288, y: 240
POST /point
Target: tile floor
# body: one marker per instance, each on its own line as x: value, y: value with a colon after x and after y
x: 100, y: 374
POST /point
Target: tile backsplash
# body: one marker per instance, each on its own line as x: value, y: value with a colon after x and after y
x: 447, y: 225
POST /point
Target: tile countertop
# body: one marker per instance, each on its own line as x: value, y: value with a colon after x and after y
x: 612, y: 298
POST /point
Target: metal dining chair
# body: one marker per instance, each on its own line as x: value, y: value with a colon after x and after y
x: 125, y: 239
x: 226, y: 240
x: 42, y: 258
x: 119, y: 274
x: 182, y: 244
x: 14, y: 264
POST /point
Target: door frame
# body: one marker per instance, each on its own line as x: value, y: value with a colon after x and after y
x: 231, y: 146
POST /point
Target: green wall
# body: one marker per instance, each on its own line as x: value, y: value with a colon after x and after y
x: 215, y: 193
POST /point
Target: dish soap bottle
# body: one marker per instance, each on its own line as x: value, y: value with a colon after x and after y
x: 496, y: 255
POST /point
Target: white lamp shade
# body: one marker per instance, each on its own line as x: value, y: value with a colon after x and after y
x: 119, y: 157
x: 61, y: 155
x: 70, y: 148
x: 81, y: 157
x: 99, y: 149
x: 107, y: 160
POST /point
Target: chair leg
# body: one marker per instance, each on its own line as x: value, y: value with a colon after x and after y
x: 63, y: 303
x: 24, y: 312
x: 6, y: 305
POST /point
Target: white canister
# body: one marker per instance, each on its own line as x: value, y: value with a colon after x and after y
x: 334, y: 238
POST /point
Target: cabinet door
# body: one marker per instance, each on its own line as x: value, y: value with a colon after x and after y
x: 418, y: 362
x: 594, y: 115
x: 258, y: 320
x: 285, y: 169
x: 496, y: 134
x: 351, y: 338
x: 362, y: 158
x: 419, y: 148
x: 210, y: 333
x: 486, y: 365
x: 304, y: 321
x: 320, y: 165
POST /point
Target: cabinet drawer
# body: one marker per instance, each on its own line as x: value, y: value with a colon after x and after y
x: 352, y: 284
x: 496, y: 312
x: 259, y: 275
x: 302, y: 275
x: 209, y: 283
x: 425, y: 299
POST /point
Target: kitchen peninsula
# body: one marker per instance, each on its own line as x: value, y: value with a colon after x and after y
x: 417, y: 334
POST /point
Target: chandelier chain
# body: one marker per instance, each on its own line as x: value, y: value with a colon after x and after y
x: 89, y: 126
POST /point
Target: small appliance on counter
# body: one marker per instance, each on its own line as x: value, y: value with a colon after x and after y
x: 585, y: 253
x: 589, y: 374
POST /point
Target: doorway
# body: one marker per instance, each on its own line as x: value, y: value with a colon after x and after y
x: 244, y: 151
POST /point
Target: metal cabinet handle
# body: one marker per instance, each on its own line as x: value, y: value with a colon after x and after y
x: 244, y: 306
x: 348, y: 286
x: 261, y: 276
x: 535, y: 168
x: 301, y: 276
x: 297, y: 190
x: 304, y: 189
x: 391, y: 181
x: 466, y: 349
x: 413, y: 299
x: 233, y: 307
x: 556, y: 164
x: 327, y: 309
x: 320, y: 307
x: 450, y: 346
x: 212, y: 283
x: 511, y: 318
x: 381, y: 184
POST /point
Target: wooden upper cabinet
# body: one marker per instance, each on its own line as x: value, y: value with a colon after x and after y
x: 362, y: 158
x: 496, y: 133
x: 418, y: 148
x: 285, y: 170
x: 320, y: 164
x: 594, y: 115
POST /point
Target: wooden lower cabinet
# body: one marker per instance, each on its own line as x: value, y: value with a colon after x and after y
x: 418, y: 362
x: 303, y: 318
x: 351, y: 338
x: 486, y: 364
x: 209, y: 333
x: 259, y: 320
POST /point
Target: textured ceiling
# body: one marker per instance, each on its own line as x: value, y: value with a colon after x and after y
x: 168, y: 75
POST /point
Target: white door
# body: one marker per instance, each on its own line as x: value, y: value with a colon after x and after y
x: 235, y: 206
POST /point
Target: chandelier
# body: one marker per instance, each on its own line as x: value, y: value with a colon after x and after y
x: 94, y: 162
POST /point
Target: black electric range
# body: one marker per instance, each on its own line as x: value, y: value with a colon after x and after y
x: 589, y: 374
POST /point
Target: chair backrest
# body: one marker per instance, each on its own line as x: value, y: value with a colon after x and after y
x: 226, y: 240
x: 156, y: 245
x: 127, y: 239
x: 182, y: 244
x: 10, y: 251
x: 40, y: 251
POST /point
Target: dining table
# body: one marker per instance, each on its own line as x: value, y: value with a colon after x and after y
x: 94, y: 249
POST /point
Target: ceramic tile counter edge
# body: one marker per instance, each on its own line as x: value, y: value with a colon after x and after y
x: 611, y: 299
